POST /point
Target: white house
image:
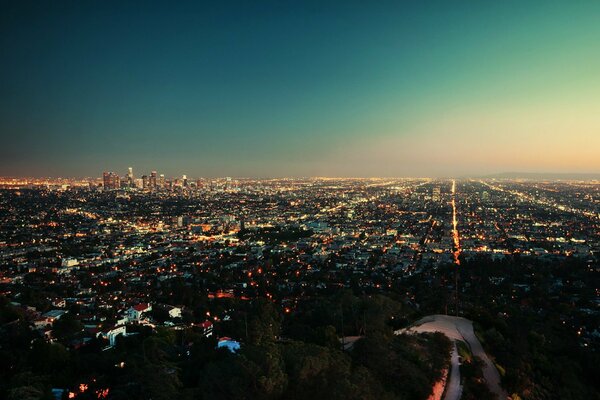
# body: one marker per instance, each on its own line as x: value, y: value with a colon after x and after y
x: 174, y: 312
x: 69, y: 262
x: 135, y: 313
x: 111, y: 334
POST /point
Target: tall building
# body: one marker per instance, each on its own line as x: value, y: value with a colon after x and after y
x: 130, y: 180
x: 144, y: 181
x: 111, y: 181
x: 162, y: 181
x: 185, y: 181
x: 153, y: 180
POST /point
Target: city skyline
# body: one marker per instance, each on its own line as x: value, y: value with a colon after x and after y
x: 300, y: 89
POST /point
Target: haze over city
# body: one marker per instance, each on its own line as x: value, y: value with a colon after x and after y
x: 263, y: 89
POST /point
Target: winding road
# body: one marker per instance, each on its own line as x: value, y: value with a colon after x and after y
x: 458, y: 328
x: 453, y: 389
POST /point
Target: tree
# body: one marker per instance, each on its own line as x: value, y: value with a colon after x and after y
x: 66, y: 327
x: 26, y: 393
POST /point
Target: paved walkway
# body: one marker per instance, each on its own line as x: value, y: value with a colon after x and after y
x: 457, y: 328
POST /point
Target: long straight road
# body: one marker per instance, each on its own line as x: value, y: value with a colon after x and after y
x: 455, y: 234
x: 456, y: 250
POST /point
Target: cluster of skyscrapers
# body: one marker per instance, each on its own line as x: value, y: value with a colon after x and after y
x: 112, y: 181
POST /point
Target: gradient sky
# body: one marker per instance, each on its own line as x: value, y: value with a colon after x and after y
x: 299, y: 88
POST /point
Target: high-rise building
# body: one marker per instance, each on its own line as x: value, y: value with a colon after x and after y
x: 162, y: 181
x: 130, y: 180
x: 111, y: 180
x: 153, y: 180
x: 185, y: 181
x: 145, y: 181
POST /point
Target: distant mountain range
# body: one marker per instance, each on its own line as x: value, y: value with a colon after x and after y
x: 544, y: 176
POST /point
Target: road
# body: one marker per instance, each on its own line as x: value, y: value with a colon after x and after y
x: 490, y: 372
x: 458, y: 328
x: 453, y: 386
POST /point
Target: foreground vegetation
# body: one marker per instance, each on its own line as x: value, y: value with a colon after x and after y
x: 537, y: 330
x: 535, y: 319
x: 296, y: 357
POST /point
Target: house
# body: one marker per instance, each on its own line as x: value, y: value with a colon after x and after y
x: 69, y: 262
x: 135, y: 313
x: 111, y: 333
x: 59, y: 302
x: 229, y: 344
x: 53, y: 315
x: 174, y: 312
x: 207, y: 328
x: 40, y: 323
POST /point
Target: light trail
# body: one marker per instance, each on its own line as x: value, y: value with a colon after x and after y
x: 456, y: 240
x: 455, y: 234
x: 542, y: 201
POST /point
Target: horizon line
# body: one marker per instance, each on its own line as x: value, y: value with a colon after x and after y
x: 497, y: 175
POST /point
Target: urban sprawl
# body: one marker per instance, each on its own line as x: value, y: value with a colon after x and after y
x: 121, y: 253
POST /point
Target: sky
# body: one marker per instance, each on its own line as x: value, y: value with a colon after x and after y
x: 299, y: 88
